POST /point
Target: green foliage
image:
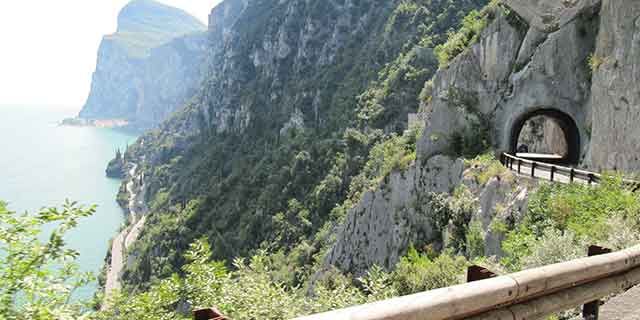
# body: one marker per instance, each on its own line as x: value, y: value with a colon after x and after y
x: 475, y: 137
x: 595, y: 62
x: 462, y: 206
x: 248, y: 291
x: 583, y: 209
x: 485, y: 166
x: 451, y: 217
x: 38, y: 273
x: 418, y: 272
x: 475, y: 240
x: 569, y: 216
x: 395, y: 153
x: 238, y: 292
x: 469, y: 33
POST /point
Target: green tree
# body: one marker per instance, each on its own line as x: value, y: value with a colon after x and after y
x: 38, y: 273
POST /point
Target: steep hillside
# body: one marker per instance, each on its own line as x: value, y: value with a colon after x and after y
x: 150, y: 67
x: 298, y: 92
x: 337, y: 198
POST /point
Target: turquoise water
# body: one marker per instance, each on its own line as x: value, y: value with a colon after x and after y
x: 42, y: 164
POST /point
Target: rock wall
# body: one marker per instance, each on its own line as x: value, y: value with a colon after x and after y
x: 615, y: 98
x: 378, y: 230
x: 513, y: 73
x: 402, y: 212
x: 526, y: 63
x: 543, y: 135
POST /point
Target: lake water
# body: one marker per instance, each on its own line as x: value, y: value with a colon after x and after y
x: 42, y: 164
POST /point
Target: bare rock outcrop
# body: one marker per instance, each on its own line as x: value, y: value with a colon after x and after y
x: 386, y: 221
x: 514, y: 73
x: 615, y: 94
x: 551, y: 15
x: 405, y: 211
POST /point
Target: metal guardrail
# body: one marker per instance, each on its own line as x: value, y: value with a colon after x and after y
x: 530, y: 294
x: 518, y: 164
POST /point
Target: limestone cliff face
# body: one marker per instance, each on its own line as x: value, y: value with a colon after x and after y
x: 386, y: 221
x: 543, y: 135
x: 403, y: 212
x: 615, y: 98
x: 149, y: 68
x: 578, y: 58
x: 529, y: 61
x: 512, y: 74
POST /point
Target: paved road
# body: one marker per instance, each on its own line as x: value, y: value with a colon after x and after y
x: 116, y: 265
x: 622, y: 307
x: 123, y: 241
x: 525, y: 171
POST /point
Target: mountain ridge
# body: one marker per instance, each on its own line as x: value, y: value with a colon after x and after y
x: 149, y: 68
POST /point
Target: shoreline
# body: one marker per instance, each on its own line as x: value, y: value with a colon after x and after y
x: 97, y: 123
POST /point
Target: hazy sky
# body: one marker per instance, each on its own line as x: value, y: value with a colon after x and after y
x: 48, y: 48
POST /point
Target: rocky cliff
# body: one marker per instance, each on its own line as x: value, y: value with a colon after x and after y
x: 615, y: 93
x: 149, y: 68
x: 434, y: 204
x: 571, y: 62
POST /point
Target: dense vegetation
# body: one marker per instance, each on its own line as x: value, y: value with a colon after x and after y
x: 38, y: 273
x: 561, y: 221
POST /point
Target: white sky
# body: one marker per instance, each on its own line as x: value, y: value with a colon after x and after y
x: 48, y: 48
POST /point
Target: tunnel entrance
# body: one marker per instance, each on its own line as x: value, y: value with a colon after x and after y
x: 546, y: 135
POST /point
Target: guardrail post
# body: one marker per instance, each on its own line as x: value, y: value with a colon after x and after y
x: 553, y: 172
x: 572, y: 175
x: 477, y: 273
x: 591, y: 310
x: 592, y: 178
x: 208, y: 314
x: 533, y: 169
x: 519, y: 165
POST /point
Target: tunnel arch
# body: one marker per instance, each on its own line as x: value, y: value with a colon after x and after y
x: 566, y: 123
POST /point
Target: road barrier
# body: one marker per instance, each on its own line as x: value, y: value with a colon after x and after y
x: 520, y: 164
x: 529, y: 294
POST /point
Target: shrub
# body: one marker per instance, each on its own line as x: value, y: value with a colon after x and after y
x: 485, y: 166
x: 475, y: 241
x: 417, y: 272
x: 554, y: 247
x: 595, y: 62
x: 562, y: 219
x: 469, y: 33
x: 38, y: 273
